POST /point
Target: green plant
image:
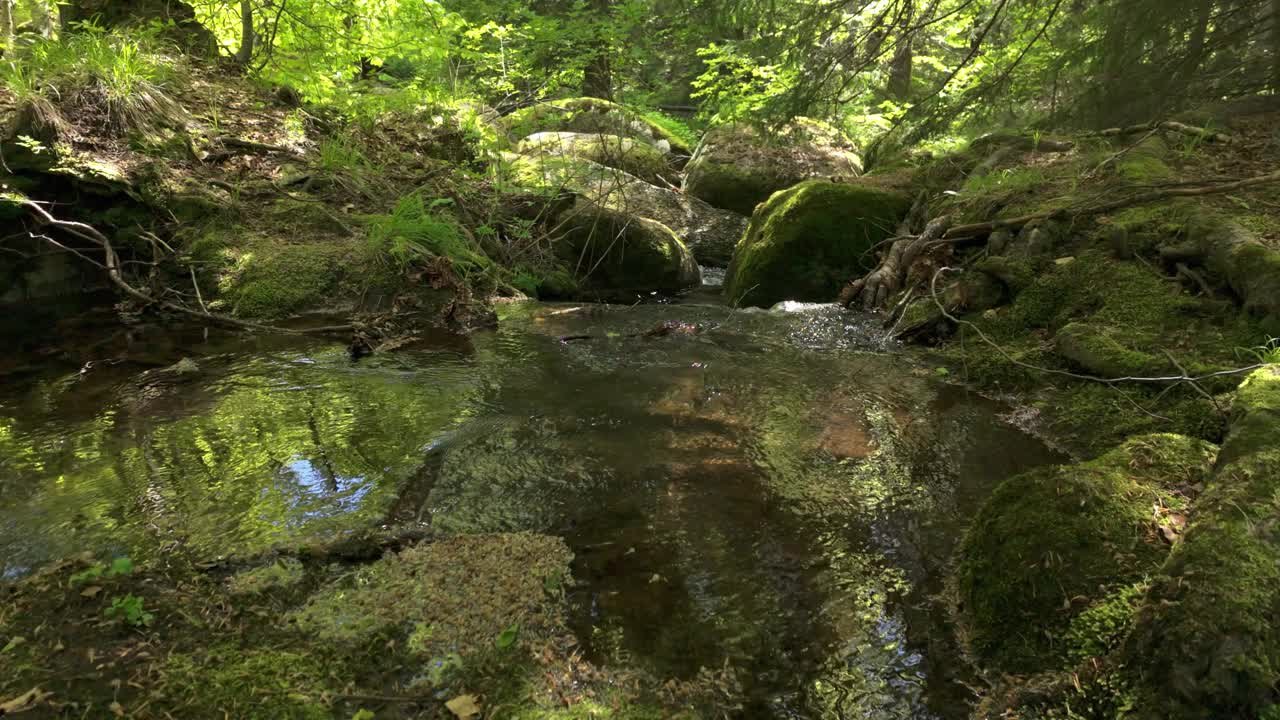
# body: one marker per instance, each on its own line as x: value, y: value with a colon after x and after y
x: 507, y: 638
x: 118, y: 78
x: 119, y: 566
x: 1267, y: 353
x: 130, y: 609
x: 417, y: 228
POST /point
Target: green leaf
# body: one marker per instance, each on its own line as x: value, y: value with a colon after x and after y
x: 507, y: 638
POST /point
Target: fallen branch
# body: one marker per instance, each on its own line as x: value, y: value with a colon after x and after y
x: 1171, y: 126
x: 1015, y: 223
x: 885, y: 280
x: 92, y: 235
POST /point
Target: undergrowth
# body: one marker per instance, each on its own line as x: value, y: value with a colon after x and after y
x: 114, y: 78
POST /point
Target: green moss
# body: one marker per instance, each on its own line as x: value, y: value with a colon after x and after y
x: 739, y: 166
x: 1145, y: 163
x: 1103, y: 316
x: 279, y: 575
x: 455, y: 595
x: 1102, y: 627
x: 637, y: 158
x: 591, y: 115
x: 1207, y: 641
x: 248, y: 683
x: 1049, y: 541
x: 610, y: 250
x: 808, y: 240
x: 270, y: 279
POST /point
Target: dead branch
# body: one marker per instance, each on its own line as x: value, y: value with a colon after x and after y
x: 986, y: 228
x: 92, y: 235
x: 1171, y: 126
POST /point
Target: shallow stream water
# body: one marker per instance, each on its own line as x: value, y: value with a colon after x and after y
x: 772, y: 491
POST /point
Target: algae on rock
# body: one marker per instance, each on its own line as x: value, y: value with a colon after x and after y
x: 807, y: 241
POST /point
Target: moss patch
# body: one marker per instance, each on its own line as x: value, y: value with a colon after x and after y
x: 1208, y: 641
x: 1102, y: 316
x: 808, y: 240
x: 1049, y: 543
x: 739, y: 167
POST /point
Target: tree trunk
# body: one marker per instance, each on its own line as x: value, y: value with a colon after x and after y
x: 1275, y: 47
x: 247, y: 35
x: 900, y: 67
x: 6, y: 27
x: 597, y: 77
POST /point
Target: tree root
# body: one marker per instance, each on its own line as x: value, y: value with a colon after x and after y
x: 876, y: 287
x: 111, y: 265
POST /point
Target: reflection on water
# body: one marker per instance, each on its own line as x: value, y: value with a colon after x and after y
x: 756, y: 489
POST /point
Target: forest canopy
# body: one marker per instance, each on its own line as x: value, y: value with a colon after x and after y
x: 907, y: 70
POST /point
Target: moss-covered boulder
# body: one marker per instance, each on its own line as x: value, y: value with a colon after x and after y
x: 613, y: 251
x: 710, y: 233
x: 596, y: 116
x: 808, y: 240
x: 737, y: 166
x: 1250, y: 268
x: 631, y: 156
x: 1207, y: 641
x: 1053, y: 542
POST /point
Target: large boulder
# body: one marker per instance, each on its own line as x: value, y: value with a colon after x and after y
x: 612, y: 251
x: 711, y: 233
x: 631, y: 156
x: 807, y: 241
x: 591, y: 115
x: 737, y: 166
x: 1055, y: 541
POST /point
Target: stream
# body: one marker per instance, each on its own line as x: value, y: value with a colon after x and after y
x: 771, y: 490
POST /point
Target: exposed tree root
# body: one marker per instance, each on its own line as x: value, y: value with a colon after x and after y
x: 877, y: 286
x: 111, y: 265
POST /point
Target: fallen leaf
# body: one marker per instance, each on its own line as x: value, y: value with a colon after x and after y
x: 91, y: 591
x: 24, y: 702
x: 116, y: 709
x: 464, y: 706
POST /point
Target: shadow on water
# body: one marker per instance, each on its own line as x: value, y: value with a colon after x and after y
x: 765, y: 491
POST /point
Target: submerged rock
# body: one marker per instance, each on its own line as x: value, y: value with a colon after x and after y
x: 738, y: 167
x: 1053, y: 542
x: 807, y: 241
x: 610, y: 250
x: 711, y: 233
x: 637, y: 158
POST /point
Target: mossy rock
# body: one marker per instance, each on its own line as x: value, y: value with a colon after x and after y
x: 710, y: 233
x: 591, y: 115
x: 807, y: 241
x: 1051, y: 542
x: 609, y: 250
x: 1099, y: 351
x: 269, y: 278
x: 636, y: 158
x: 453, y: 595
x: 738, y: 167
x: 1207, y: 642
